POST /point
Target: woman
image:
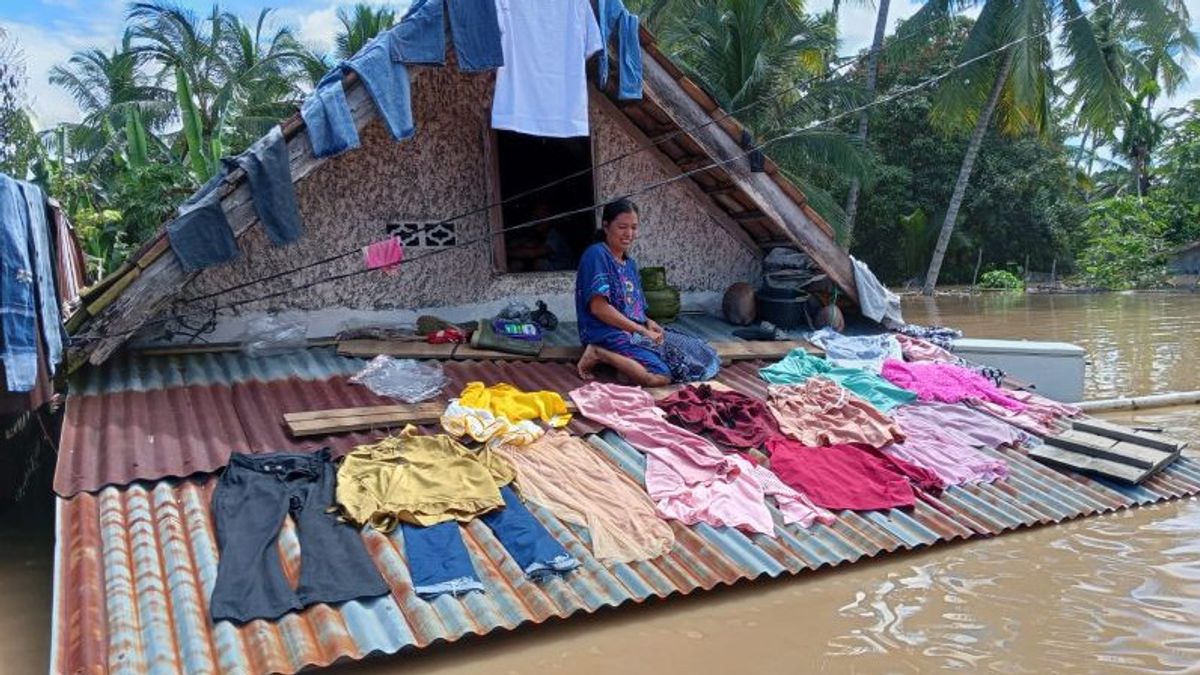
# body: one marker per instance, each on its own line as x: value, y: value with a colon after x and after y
x: 611, y: 308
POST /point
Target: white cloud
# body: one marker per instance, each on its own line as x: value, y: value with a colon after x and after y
x: 317, y: 28
x: 856, y: 21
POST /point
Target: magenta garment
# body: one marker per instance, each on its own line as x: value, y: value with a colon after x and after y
x: 688, y: 478
x: 855, y: 477
x: 1039, y: 414
x: 946, y: 382
x: 930, y: 443
x: 983, y: 430
x: 386, y: 254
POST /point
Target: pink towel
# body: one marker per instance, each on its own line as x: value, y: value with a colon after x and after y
x: 386, y: 255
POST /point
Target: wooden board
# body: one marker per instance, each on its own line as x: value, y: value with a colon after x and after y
x: 399, y: 349
x: 1108, y: 448
x: 345, y: 420
x: 728, y: 351
x: 1116, y: 431
x: 1075, y: 461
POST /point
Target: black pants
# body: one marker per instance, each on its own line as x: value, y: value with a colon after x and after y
x: 250, y: 502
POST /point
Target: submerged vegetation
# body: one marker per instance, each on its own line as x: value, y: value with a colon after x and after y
x: 1049, y: 149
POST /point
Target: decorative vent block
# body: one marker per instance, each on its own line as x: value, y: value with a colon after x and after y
x: 427, y: 235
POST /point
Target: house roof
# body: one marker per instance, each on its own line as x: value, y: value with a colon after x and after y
x: 688, y: 126
x: 135, y: 561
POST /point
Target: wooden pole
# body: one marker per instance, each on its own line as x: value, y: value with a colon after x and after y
x: 1142, y: 402
x: 1053, y: 272
x: 978, y: 262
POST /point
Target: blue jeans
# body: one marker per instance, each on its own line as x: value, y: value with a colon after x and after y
x: 439, y: 562
x: 327, y: 117
x: 42, y: 259
x: 270, y: 176
x: 18, y: 314
x: 615, y: 19
x: 420, y: 38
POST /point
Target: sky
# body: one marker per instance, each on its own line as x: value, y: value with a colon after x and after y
x: 49, y: 31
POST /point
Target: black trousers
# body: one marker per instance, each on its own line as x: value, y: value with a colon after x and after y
x: 250, y: 502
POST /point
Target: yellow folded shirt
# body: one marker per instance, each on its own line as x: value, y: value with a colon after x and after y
x: 423, y: 480
x: 505, y: 400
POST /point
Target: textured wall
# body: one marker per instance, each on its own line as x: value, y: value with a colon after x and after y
x: 440, y: 173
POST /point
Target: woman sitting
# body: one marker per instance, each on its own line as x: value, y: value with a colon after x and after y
x: 611, y: 308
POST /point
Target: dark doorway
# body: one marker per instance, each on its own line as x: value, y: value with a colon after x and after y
x: 528, y: 162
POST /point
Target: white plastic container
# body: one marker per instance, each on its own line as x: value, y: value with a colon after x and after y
x: 1055, y: 368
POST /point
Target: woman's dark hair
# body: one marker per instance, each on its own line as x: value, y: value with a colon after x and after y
x: 611, y: 211
x: 616, y: 208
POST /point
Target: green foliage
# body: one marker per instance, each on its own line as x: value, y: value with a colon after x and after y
x: 1001, y: 280
x: 148, y: 197
x: 359, y: 25
x: 1125, y: 247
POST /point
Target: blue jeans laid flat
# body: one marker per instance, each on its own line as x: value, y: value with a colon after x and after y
x: 18, y: 313
x: 420, y: 38
x: 253, y: 497
x: 327, y: 117
x: 439, y: 562
x: 270, y: 176
x: 385, y: 80
x: 616, y: 20
x: 42, y: 259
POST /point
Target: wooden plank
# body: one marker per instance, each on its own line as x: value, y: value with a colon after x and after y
x: 1101, y: 446
x: 345, y: 420
x: 1098, y: 426
x: 1075, y: 461
x: 495, y: 214
x: 719, y: 215
x: 791, y: 217
x: 405, y: 350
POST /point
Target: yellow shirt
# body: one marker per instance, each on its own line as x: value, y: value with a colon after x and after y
x: 423, y: 480
x: 505, y: 400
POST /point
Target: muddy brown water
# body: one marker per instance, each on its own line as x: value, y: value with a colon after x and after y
x: 1114, y: 593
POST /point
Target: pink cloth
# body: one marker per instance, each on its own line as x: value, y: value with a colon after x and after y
x: 855, y: 477
x: 1039, y: 414
x: 688, y: 478
x: 795, y: 507
x: 940, y: 448
x: 386, y: 255
x: 916, y: 349
x: 936, y: 381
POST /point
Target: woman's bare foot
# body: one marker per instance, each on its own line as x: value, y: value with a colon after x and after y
x: 587, y: 362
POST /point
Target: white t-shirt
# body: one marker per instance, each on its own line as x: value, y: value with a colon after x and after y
x: 542, y: 87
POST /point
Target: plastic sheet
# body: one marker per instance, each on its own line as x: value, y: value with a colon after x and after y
x: 407, y: 380
x: 270, y: 335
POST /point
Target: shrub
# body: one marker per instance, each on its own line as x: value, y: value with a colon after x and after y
x: 1001, y: 279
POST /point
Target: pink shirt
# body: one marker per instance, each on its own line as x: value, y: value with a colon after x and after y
x: 933, y: 444
x: 946, y: 382
x: 688, y: 478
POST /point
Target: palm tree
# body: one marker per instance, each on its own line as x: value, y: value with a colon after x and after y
x: 232, y: 80
x: 762, y: 58
x: 110, y: 89
x: 359, y: 25
x: 881, y: 18
x: 1016, y: 85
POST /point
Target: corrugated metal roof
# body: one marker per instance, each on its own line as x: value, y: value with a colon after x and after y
x: 192, y: 425
x: 135, y: 567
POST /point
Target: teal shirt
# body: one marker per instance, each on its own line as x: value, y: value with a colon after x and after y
x: 798, y: 366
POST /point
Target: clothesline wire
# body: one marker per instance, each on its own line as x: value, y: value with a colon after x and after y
x: 905, y: 91
x: 654, y: 143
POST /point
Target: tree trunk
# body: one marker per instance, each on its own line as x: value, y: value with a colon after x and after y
x: 964, y: 174
x: 1082, y: 149
x: 881, y: 18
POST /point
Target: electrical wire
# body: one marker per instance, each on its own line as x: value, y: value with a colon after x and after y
x: 905, y: 91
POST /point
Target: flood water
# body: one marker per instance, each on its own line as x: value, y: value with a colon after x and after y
x: 1115, y: 593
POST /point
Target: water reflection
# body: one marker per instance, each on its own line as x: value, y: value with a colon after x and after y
x: 1137, y: 343
x: 1114, y: 593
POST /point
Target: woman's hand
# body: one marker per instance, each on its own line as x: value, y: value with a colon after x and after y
x: 653, y: 331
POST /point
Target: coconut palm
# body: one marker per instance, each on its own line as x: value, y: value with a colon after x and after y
x: 110, y: 89
x: 872, y: 79
x: 1014, y: 88
x: 359, y: 25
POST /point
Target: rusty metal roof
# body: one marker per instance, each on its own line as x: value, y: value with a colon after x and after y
x: 134, y: 565
x: 134, y: 568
